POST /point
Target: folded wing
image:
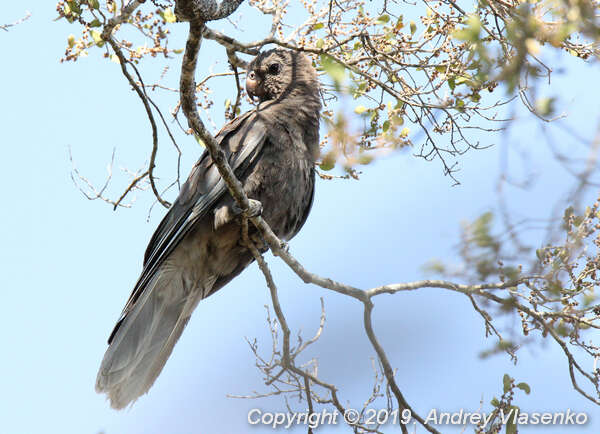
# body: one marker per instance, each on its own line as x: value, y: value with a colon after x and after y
x: 163, y: 298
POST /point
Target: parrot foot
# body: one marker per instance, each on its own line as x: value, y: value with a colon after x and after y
x: 255, y: 209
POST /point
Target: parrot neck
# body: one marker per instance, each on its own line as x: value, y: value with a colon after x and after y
x: 301, y: 110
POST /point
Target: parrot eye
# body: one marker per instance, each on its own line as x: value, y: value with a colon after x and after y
x: 251, y: 75
x: 274, y: 68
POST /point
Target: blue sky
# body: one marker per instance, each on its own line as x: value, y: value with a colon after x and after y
x: 69, y: 264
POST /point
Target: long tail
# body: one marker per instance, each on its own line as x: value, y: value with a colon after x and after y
x: 145, y: 338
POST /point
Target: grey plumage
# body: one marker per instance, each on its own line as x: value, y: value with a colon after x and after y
x: 196, y: 248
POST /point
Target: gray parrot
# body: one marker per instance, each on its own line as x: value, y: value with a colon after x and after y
x: 197, y: 247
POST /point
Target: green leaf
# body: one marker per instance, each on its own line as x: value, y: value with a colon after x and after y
x: 495, y: 402
x: 95, y: 23
x: 435, y: 266
x: 320, y: 43
x: 328, y: 163
x: 452, y: 83
x: 545, y: 106
x: 399, y: 24
x: 507, y: 382
x: 318, y: 26
x: 511, y: 424
x: 94, y: 4
x: 397, y: 120
x: 413, y: 27
x: 168, y: 15
x: 386, y: 126
x: 588, y: 299
x: 383, y: 19
x: 539, y: 253
x: 74, y: 7
x: 364, y: 159
x: 511, y: 272
x: 97, y: 37
x: 360, y: 109
x: 568, y: 213
x: 333, y: 68
x: 471, y: 31
x: 524, y: 387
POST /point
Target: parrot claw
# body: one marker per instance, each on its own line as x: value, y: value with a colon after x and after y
x: 285, y: 246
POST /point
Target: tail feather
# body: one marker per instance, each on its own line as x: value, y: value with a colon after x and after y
x: 146, y: 337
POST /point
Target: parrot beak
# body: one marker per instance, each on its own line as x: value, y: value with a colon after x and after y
x: 253, y: 85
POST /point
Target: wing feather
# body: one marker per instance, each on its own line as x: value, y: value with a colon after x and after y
x: 242, y: 141
x: 164, y: 296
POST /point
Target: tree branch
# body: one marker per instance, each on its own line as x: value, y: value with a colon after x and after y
x: 5, y: 27
x: 188, y: 101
